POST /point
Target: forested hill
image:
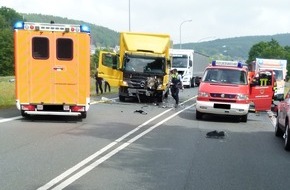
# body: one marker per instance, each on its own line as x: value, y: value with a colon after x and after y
x: 237, y: 48
x: 232, y: 48
x: 101, y: 36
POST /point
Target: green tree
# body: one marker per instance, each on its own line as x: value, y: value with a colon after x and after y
x: 267, y: 50
x: 270, y: 50
x: 6, y: 53
x: 7, y: 18
x: 10, y: 16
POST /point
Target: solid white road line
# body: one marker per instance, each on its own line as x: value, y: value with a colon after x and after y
x: 10, y: 119
x: 102, y: 159
x: 113, y: 152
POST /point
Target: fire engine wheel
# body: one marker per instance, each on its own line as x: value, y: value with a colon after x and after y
x: 198, y: 115
x: 287, y: 137
x: 244, y: 118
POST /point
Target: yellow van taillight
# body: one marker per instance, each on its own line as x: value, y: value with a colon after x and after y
x: 28, y: 107
x: 77, y: 108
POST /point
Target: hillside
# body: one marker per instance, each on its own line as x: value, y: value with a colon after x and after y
x: 231, y: 48
x: 101, y: 36
x: 236, y: 48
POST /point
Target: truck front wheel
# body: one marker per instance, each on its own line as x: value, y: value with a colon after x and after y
x: 122, y: 98
x: 244, y: 118
x: 192, y: 82
x: 198, y: 115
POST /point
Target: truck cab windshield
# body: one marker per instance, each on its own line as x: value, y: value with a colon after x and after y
x: 278, y: 74
x: 228, y: 76
x: 179, y: 62
x: 144, y: 64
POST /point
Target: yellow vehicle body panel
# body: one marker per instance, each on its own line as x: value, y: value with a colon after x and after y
x: 108, y: 70
x: 133, y: 43
x: 52, y: 80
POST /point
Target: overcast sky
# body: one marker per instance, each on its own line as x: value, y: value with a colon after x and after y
x: 210, y: 19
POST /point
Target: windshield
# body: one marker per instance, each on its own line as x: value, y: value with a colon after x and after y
x: 144, y: 64
x: 179, y: 62
x: 228, y: 76
x: 278, y: 74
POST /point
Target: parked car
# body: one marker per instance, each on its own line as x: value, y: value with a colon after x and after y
x: 283, y: 120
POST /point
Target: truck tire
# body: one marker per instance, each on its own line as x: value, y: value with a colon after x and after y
x: 160, y: 97
x: 278, y: 130
x: 23, y: 114
x: 244, y: 118
x: 287, y: 137
x: 122, y: 98
x: 198, y: 115
x: 192, y: 82
x: 84, y: 115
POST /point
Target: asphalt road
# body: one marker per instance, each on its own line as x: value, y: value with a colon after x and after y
x: 116, y: 147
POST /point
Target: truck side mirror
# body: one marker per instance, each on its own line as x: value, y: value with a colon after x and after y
x: 190, y: 63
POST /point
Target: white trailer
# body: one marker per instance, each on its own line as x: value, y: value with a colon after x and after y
x: 189, y: 64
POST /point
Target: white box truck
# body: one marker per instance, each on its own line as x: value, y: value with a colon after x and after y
x: 279, y: 67
x: 189, y: 64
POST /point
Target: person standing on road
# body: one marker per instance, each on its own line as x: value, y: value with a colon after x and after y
x: 99, y: 83
x: 175, y: 85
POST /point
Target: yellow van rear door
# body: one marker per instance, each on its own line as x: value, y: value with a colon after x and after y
x: 38, y: 70
x: 65, y: 68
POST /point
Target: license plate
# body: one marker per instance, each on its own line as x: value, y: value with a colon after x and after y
x: 222, y: 106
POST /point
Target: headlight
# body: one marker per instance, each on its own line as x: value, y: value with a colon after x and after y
x: 160, y: 87
x: 242, y: 97
x: 203, y: 94
x: 125, y: 83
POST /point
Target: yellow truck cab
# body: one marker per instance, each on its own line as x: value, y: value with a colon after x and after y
x: 141, y: 69
x: 52, y: 68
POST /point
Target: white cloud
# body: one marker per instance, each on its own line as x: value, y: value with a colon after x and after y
x: 210, y: 18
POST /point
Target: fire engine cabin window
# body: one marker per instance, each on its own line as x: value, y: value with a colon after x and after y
x: 40, y: 48
x: 64, y: 49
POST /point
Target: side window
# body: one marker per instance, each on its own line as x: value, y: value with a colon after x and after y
x: 64, y: 49
x: 40, y: 48
x: 110, y: 60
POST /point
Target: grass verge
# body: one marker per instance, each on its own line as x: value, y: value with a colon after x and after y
x: 7, y: 91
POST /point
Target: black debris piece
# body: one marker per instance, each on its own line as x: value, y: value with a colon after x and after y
x: 140, y: 111
x: 215, y: 134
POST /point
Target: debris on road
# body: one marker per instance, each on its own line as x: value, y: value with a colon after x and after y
x: 140, y: 111
x: 215, y: 134
x: 107, y: 100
